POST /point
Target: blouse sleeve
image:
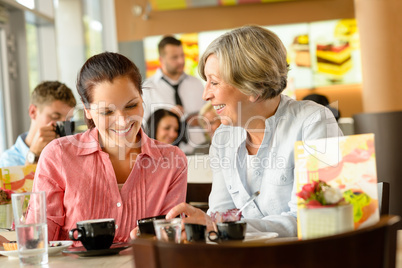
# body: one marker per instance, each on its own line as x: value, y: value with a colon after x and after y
x: 49, y: 178
x: 178, y: 184
x: 219, y: 198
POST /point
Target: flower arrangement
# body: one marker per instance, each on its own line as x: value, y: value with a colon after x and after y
x: 5, y: 196
x: 319, y: 194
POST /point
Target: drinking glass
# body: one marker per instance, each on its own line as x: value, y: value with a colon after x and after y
x: 30, y: 223
x: 168, y: 230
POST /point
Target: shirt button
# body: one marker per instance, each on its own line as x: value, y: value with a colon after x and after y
x: 118, y: 204
x: 257, y: 173
x: 117, y: 226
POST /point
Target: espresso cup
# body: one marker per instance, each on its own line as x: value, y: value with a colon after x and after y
x: 146, y: 225
x: 228, y: 231
x: 94, y: 234
x: 195, y: 232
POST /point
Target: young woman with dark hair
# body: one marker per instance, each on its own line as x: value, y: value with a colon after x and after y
x: 165, y: 126
x: 113, y: 170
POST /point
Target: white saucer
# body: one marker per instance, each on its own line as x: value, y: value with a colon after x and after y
x: 259, y: 236
x: 50, y: 250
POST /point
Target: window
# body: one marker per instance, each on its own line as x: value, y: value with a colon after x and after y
x: 3, y: 72
x: 33, y: 56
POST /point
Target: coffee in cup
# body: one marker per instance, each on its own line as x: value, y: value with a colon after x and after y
x: 233, y: 230
x: 195, y: 232
x: 94, y: 234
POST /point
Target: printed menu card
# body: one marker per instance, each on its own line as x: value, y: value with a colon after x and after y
x: 17, y: 178
x: 347, y: 163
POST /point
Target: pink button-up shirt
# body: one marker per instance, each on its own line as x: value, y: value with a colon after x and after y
x: 80, y: 184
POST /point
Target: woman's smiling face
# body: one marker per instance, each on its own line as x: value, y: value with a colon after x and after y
x: 117, y: 111
x: 229, y: 103
x: 167, y: 130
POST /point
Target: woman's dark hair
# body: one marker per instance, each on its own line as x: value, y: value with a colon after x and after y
x: 154, y: 120
x: 321, y: 99
x: 104, y: 67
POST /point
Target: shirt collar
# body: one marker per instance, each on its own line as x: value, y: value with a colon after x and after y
x: 150, y: 147
x: 280, y: 111
x: 21, y: 145
x: 89, y: 143
x: 159, y: 75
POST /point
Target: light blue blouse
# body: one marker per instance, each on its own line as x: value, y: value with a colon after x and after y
x: 275, y: 209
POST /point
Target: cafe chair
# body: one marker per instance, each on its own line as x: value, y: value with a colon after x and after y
x: 199, y: 181
x: 386, y: 127
x: 383, y: 197
x: 373, y: 246
x: 198, y: 194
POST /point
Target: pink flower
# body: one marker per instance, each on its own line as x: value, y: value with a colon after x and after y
x: 319, y: 194
x: 307, y: 191
x: 8, y: 192
x: 313, y: 204
x: 5, y: 196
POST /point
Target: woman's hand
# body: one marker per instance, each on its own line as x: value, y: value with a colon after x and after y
x: 194, y: 215
x: 134, y: 233
x: 3, y: 240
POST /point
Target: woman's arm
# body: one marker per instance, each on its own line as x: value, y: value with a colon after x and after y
x: 177, y: 188
x: 48, y: 178
x: 219, y: 198
x: 3, y: 240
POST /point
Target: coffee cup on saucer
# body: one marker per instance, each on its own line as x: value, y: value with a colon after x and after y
x: 195, y: 232
x: 146, y: 225
x: 228, y: 231
x: 94, y: 234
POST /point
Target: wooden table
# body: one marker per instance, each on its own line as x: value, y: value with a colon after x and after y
x: 124, y: 259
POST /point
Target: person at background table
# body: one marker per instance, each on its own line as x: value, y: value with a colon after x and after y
x: 253, y: 149
x: 164, y: 126
x: 172, y: 89
x: 51, y: 101
x: 209, y: 121
x: 323, y: 100
x: 113, y: 170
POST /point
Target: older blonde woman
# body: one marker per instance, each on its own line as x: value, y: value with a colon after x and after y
x: 209, y: 120
x: 253, y: 150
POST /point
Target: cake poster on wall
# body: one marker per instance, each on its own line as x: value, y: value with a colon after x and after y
x: 295, y: 38
x: 347, y: 163
x: 190, y: 48
x: 319, y: 53
x: 335, y: 50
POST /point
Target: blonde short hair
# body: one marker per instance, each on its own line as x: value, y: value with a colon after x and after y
x: 206, y: 108
x: 251, y: 59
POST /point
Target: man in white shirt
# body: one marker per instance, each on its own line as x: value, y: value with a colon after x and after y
x: 172, y: 89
